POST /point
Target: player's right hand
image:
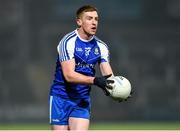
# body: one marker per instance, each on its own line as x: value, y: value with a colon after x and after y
x: 104, y: 83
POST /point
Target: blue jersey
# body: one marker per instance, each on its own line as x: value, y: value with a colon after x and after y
x: 87, y: 53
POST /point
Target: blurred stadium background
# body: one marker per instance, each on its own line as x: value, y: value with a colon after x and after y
x: 144, y: 41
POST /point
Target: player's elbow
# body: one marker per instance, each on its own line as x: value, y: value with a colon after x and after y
x: 69, y: 77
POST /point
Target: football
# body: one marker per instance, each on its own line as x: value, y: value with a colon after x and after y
x: 121, y: 88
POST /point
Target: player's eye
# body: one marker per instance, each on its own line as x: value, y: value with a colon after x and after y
x: 89, y: 17
x: 97, y: 19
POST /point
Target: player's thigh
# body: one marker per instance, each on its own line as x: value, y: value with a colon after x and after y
x: 78, y: 123
x: 59, y: 111
x: 59, y: 127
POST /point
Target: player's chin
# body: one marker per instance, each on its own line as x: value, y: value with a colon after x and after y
x: 92, y: 32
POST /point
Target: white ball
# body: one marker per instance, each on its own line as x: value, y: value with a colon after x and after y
x: 121, y: 88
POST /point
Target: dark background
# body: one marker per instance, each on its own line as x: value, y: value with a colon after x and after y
x: 144, y: 41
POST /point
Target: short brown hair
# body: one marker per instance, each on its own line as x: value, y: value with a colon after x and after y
x: 85, y: 8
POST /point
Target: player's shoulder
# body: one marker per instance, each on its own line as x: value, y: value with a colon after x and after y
x: 100, y: 42
x: 69, y: 35
x: 67, y: 40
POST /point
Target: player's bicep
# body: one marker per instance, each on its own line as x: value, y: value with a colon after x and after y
x: 68, y: 68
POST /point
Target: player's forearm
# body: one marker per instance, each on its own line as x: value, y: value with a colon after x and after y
x: 76, y: 77
x: 106, y: 69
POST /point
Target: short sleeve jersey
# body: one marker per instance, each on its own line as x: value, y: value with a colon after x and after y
x: 86, y: 53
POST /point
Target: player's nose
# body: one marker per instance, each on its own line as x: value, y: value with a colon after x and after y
x: 94, y: 22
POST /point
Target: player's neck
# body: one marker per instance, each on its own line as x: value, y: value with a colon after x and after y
x: 83, y: 34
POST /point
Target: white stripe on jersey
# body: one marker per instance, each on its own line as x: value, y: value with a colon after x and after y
x: 100, y: 41
x: 103, y: 49
x: 64, y: 49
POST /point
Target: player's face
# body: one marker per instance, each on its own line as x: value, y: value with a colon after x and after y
x: 88, y: 22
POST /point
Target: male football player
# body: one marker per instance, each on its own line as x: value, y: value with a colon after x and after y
x: 78, y: 53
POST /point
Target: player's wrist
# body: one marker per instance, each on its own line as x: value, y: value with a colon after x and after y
x: 95, y: 80
x: 102, y: 81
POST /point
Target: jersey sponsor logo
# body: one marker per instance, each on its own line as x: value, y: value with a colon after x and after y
x: 85, y: 65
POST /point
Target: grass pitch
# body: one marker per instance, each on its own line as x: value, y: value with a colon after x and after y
x: 102, y: 126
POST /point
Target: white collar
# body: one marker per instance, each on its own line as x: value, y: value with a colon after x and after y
x: 84, y: 40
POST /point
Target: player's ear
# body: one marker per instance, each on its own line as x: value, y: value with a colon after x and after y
x: 79, y: 22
